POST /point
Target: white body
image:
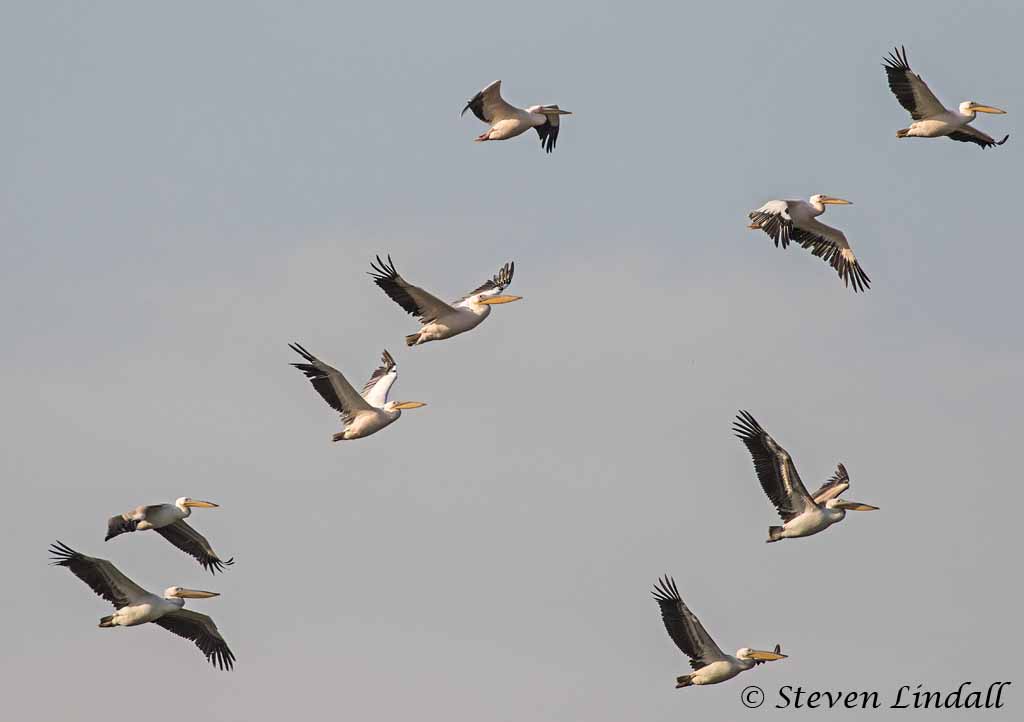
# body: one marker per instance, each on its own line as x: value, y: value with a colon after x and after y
x: 146, y: 609
x: 364, y: 423
x: 161, y: 515
x: 939, y: 125
x: 802, y: 212
x: 721, y: 670
x: 812, y: 521
x: 520, y: 122
x: 467, y: 316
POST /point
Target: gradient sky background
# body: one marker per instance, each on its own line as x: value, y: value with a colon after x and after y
x: 187, y: 190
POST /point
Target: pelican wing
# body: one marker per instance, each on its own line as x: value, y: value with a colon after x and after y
x: 684, y: 628
x: 489, y: 106
x: 383, y: 378
x: 417, y: 302
x: 495, y: 285
x: 912, y: 92
x: 194, y: 544
x: 834, y: 487
x: 331, y: 385
x: 969, y: 134
x: 127, y: 522
x: 774, y: 219
x: 103, y: 577
x: 548, y: 133
x: 200, y: 629
x: 774, y: 467
x: 831, y: 246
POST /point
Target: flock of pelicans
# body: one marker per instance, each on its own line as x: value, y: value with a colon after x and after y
x: 367, y: 412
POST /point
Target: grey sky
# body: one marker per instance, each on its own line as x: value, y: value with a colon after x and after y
x: 185, y: 191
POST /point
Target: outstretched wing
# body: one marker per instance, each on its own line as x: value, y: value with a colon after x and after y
x: 774, y: 467
x: 684, y: 627
x: 489, y: 106
x: 417, y: 302
x: 912, y: 92
x: 181, y: 535
x: 200, y: 629
x: 331, y: 385
x: 495, y: 285
x: 834, y: 487
x: 774, y: 219
x: 383, y: 378
x: 830, y: 245
x: 548, y: 132
x: 970, y: 134
x: 103, y: 577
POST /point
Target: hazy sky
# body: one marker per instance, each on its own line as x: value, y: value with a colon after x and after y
x: 186, y: 190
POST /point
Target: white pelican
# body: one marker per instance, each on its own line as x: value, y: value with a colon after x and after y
x: 796, y: 221
x: 802, y: 514
x: 441, y: 320
x: 710, y: 664
x: 168, y: 520
x: 931, y: 118
x: 134, y: 605
x: 508, y: 121
x: 362, y: 414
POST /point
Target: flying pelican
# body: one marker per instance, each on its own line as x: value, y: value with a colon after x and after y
x: 168, y: 520
x: 441, y: 320
x: 362, y: 414
x: 134, y: 605
x: 796, y: 221
x: 802, y: 514
x: 710, y: 664
x: 931, y: 118
x: 508, y: 121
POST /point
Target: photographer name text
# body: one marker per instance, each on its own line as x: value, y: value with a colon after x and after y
x: 968, y: 695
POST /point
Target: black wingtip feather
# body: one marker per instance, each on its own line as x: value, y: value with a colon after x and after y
x: 746, y: 427
x: 665, y: 590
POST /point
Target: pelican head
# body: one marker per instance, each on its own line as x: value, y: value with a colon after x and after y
x: 187, y: 502
x: 185, y: 593
x: 849, y: 505
x: 760, y: 655
x: 969, y: 107
x: 824, y: 200
x: 399, y: 405
x: 548, y: 110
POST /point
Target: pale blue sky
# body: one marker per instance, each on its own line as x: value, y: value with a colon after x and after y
x: 186, y: 190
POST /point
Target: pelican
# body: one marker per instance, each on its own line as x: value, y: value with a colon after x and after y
x: 168, y: 520
x: 134, y: 605
x: 796, y: 221
x: 931, y: 118
x: 362, y: 414
x: 710, y: 664
x: 441, y: 320
x: 508, y: 121
x: 802, y: 514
